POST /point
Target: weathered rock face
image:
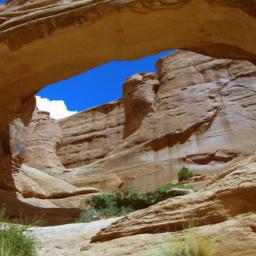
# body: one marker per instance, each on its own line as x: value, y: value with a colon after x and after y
x: 47, y: 41
x: 234, y: 237
x: 43, y: 137
x: 31, y: 191
x: 199, y: 112
x: 91, y: 134
x: 139, y: 93
x: 66, y: 240
x: 12, y: 141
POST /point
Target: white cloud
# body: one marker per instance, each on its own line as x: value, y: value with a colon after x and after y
x: 57, y: 108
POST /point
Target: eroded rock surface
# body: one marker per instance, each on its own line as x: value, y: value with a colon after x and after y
x: 225, y: 211
x: 91, y: 134
x: 139, y: 97
x: 66, y: 240
x: 234, y: 237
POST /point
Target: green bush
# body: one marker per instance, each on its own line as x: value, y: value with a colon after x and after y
x: 103, y: 201
x: 114, y: 204
x: 13, y: 242
x: 193, y: 244
x: 185, y: 174
x: 119, y: 203
x: 137, y: 200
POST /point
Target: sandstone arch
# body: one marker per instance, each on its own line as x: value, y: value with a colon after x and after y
x: 42, y: 42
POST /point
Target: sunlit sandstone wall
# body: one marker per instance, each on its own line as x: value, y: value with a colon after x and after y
x: 198, y: 111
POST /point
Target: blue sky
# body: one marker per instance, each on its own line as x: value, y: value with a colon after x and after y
x: 99, y: 85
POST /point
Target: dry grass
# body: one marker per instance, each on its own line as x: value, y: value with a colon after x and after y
x: 193, y: 244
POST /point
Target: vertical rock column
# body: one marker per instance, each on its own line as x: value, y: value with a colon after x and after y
x: 139, y: 95
x: 43, y: 136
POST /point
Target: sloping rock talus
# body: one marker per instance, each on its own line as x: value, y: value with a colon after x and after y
x: 42, y: 42
x: 66, y: 240
x: 235, y: 237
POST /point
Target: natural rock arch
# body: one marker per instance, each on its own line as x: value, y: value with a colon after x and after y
x: 43, y: 42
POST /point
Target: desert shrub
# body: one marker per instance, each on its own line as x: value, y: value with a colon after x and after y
x: 193, y: 244
x: 122, y: 202
x: 22, y: 219
x: 3, y: 217
x: 30, y: 221
x: 13, y: 238
x: 13, y: 241
x: 108, y: 205
x: 119, y: 203
x: 185, y: 174
x: 137, y: 200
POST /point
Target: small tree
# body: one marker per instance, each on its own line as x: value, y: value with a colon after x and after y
x: 185, y: 174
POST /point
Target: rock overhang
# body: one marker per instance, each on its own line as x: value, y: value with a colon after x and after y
x: 44, y: 42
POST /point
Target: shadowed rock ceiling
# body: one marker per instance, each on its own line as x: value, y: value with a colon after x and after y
x: 42, y: 42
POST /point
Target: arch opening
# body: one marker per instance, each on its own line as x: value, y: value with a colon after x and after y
x: 93, y: 88
x: 45, y: 42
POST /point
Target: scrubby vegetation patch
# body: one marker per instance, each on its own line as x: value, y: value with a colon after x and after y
x: 15, y: 242
x: 193, y: 244
x: 122, y: 202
